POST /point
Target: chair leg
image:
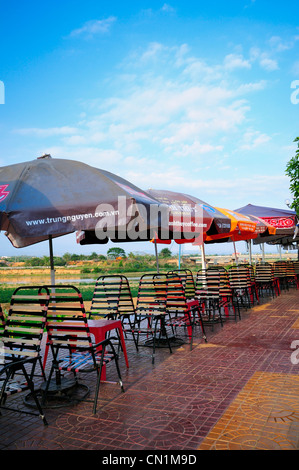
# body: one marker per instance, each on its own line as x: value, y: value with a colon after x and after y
x: 31, y: 387
x: 99, y: 373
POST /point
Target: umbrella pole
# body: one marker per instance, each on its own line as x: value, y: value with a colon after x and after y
x: 203, y: 258
x: 51, y: 260
x: 180, y: 249
x: 250, y: 252
x: 263, y: 252
x: 236, y: 257
x: 157, y: 258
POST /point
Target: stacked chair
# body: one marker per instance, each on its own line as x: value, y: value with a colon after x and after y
x: 112, y: 299
x: 253, y: 285
x: 2, y: 322
x: 181, y: 313
x: 266, y: 283
x: 296, y: 267
x: 240, y: 284
x: 187, y: 280
x: 292, y: 280
x: 151, y: 312
x: 21, y: 338
x: 226, y: 296
x: 280, y: 273
x: 207, y: 293
x: 71, y: 343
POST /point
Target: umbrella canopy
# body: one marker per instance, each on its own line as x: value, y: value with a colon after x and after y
x: 52, y: 197
x: 190, y: 218
x: 242, y: 228
x: 283, y: 220
x: 47, y: 198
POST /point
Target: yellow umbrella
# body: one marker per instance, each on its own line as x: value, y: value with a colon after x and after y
x: 241, y: 226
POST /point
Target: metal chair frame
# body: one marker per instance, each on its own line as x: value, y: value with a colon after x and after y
x: 151, y: 312
x: 21, y: 345
x: 208, y: 296
x: 180, y: 314
x: 68, y: 331
x: 112, y: 299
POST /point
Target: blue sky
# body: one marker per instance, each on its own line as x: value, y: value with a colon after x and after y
x: 186, y: 96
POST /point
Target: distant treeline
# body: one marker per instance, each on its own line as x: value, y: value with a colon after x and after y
x: 117, y: 254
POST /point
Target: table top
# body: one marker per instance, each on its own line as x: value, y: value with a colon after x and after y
x: 104, y: 323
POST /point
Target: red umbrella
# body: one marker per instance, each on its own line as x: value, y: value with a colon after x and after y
x: 190, y: 218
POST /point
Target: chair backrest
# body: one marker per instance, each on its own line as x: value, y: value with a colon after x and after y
x: 264, y: 272
x: 2, y: 321
x: 239, y: 277
x: 251, y: 272
x: 280, y: 269
x: 67, y: 323
x: 187, y: 280
x: 152, y: 294
x: 208, y: 284
x: 176, y: 300
x: 25, y: 323
x: 296, y: 266
x: 112, y: 297
x: 290, y: 269
x: 224, y: 287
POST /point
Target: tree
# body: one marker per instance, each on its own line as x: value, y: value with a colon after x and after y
x: 165, y: 253
x: 116, y: 252
x: 292, y: 170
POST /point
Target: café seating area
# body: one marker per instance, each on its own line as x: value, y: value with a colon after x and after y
x: 52, y: 344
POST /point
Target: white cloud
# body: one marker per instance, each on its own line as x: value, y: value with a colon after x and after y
x: 167, y: 8
x: 166, y: 116
x: 295, y: 68
x: 196, y: 149
x: 279, y: 45
x: 234, y: 61
x: 152, y: 51
x: 47, y: 132
x: 253, y: 139
x: 92, y: 27
x: 266, y: 62
x: 95, y: 156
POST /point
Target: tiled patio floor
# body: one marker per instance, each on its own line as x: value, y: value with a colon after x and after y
x: 238, y: 391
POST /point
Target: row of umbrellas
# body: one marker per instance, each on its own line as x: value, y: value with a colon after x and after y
x: 48, y: 197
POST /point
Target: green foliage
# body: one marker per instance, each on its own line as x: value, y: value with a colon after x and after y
x: 115, y: 252
x: 292, y: 170
x: 165, y: 253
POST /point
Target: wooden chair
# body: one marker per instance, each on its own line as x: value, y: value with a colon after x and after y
x: 208, y: 295
x: 291, y: 276
x: 181, y: 315
x: 70, y: 340
x: 296, y: 267
x: 265, y: 281
x: 2, y: 321
x: 227, y: 302
x: 112, y: 299
x: 187, y: 280
x: 21, y: 344
x: 280, y: 273
x: 240, y: 284
x: 151, y: 312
